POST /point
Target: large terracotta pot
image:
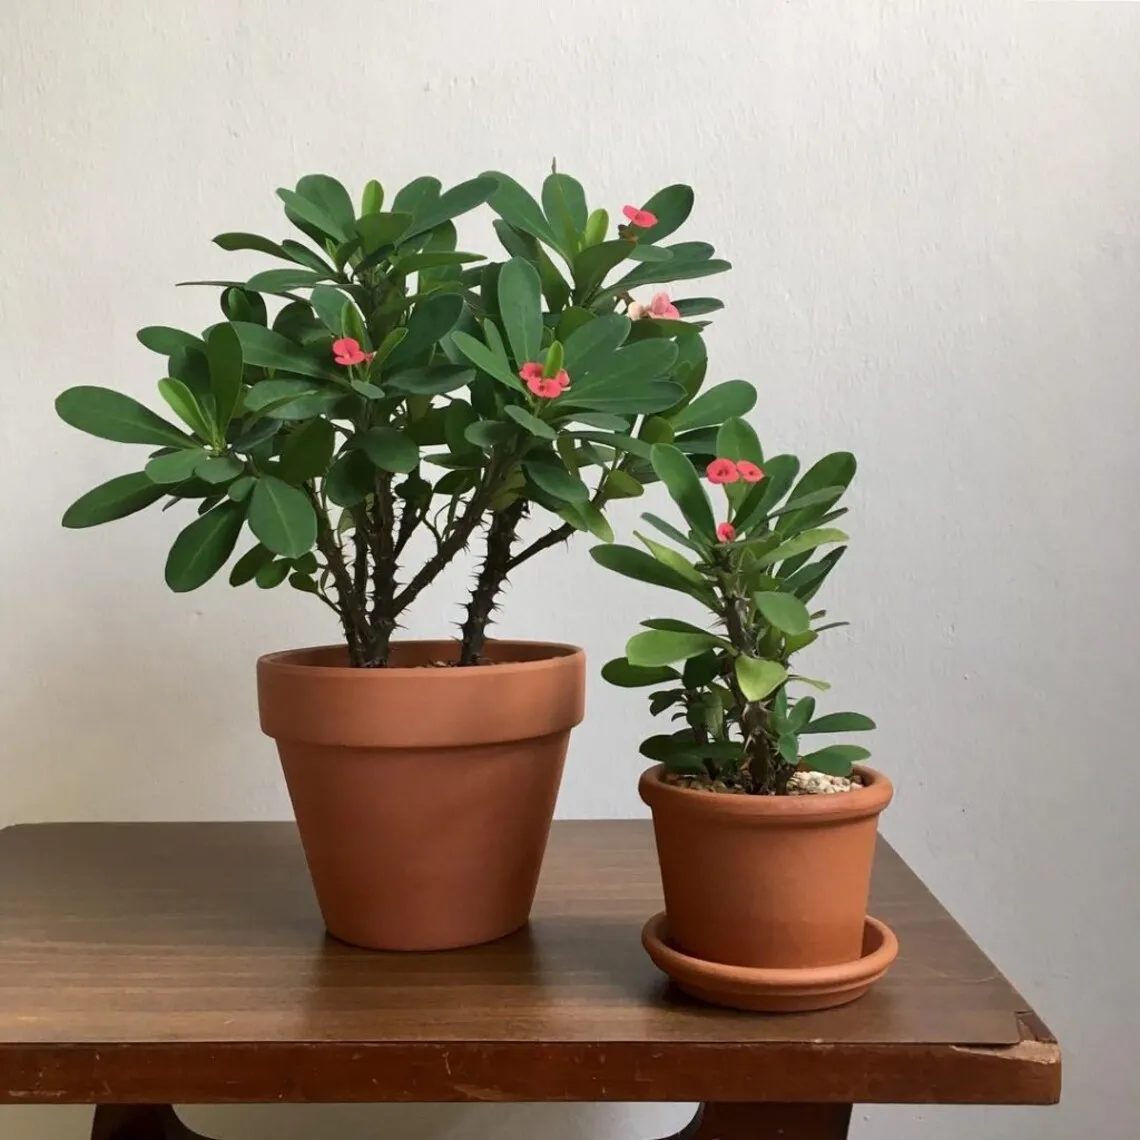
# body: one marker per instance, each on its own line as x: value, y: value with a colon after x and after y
x: 423, y: 795
x: 772, y: 883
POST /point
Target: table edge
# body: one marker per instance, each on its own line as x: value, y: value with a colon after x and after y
x: 1026, y: 1073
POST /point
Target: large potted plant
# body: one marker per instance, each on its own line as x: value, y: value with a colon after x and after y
x: 368, y: 410
x: 765, y: 845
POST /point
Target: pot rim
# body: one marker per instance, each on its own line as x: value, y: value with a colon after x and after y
x: 284, y: 660
x: 866, y: 801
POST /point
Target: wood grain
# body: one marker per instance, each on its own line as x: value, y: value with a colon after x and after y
x: 187, y: 962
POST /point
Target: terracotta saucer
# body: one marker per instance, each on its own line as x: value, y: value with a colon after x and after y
x: 768, y: 990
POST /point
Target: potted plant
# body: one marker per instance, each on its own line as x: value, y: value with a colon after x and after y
x: 367, y: 410
x: 765, y: 845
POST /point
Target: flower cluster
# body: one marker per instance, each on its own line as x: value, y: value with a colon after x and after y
x: 347, y: 351
x: 659, y: 306
x: 538, y: 383
x: 643, y: 219
x: 731, y: 470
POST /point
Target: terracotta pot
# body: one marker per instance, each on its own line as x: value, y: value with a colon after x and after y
x: 771, y: 882
x: 423, y: 796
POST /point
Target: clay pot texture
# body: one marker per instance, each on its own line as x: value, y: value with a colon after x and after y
x: 423, y: 796
x: 778, y: 882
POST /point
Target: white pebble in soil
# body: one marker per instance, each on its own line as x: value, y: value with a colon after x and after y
x: 820, y: 784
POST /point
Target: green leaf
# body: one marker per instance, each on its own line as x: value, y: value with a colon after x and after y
x: 307, y: 451
x: 330, y: 196
x: 806, y: 582
x: 697, y: 306
x: 223, y: 352
x: 834, y: 470
x: 175, y: 466
x: 642, y: 361
x: 255, y: 242
x: 111, y: 415
x: 431, y: 381
x: 418, y: 195
x: 458, y: 200
x: 779, y: 474
x: 758, y: 677
x: 677, y: 268
x: 801, y: 713
x: 264, y: 348
x: 593, y: 342
x: 520, y: 305
x: 272, y: 574
x: 329, y: 303
x: 378, y: 231
x: 515, y: 205
x: 672, y: 559
x: 432, y: 319
x: 802, y: 543
x: 167, y: 341
x: 782, y: 611
x: 675, y: 625
x: 824, y: 495
x: 835, y: 760
x: 488, y: 433
x: 184, y: 405
x: 597, y: 225
x: 282, y: 280
x: 239, y: 305
x: 201, y: 550
x: 483, y: 358
x: 664, y: 647
x: 350, y: 479
x: 247, y: 566
x: 587, y: 517
x: 372, y: 197
x: 788, y: 746
x: 670, y: 531
x: 622, y: 485
x: 299, y: 209
x: 218, y: 469
x: 672, y: 206
x: 388, y: 448
x: 115, y: 499
x: 267, y: 395
x: 282, y: 517
x: 712, y: 408
x: 642, y: 567
x: 548, y: 473
x: 436, y: 259
x: 737, y: 440
x: 592, y: 265
x: 564, y: 202
x: 839, y: 722
x: 702, y: 670
x: 538, y: 428
x: 626, y: 676
x: 685, y: 488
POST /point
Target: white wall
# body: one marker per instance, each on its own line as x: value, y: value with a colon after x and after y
x: 934, y: 210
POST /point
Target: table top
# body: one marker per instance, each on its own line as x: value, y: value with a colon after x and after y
x: 188, y: 963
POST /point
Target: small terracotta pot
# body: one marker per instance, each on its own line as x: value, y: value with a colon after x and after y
x: 768, y: 882
x: 423, y: 795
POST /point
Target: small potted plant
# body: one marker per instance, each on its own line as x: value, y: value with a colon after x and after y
x: 765, y: 845
x: 367, y: 410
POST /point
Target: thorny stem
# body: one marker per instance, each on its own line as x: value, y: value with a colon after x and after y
x: 753, y: 721
x: 353, y: 619
x: 551, y: 538
x: 489, y: 581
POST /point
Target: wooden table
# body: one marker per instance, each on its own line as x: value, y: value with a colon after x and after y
x: 143, y: 965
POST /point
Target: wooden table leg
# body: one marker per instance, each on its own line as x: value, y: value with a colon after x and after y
x: 139, y: 1122
x: 765, y: 1121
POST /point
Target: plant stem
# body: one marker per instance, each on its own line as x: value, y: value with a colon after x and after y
x: 550, y: 538
x: 353, y: 619
x: 489, y: 581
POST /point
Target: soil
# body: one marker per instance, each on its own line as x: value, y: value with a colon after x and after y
x: 801, y: 783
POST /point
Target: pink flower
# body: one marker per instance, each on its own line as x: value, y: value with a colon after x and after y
x: 726, y: 532
x: 545, y: 386
x: 659, y: 306
x: 749, y: 472
x: 641, y: 218
x: 722, y: 471
x: 347, y: 351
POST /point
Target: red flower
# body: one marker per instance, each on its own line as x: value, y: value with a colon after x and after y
x: 641, y: 218
x: 722, y: 471
x: 545, y: 386
x: 347, y: 351
x: 749, y: 472
x: 726, y: 532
